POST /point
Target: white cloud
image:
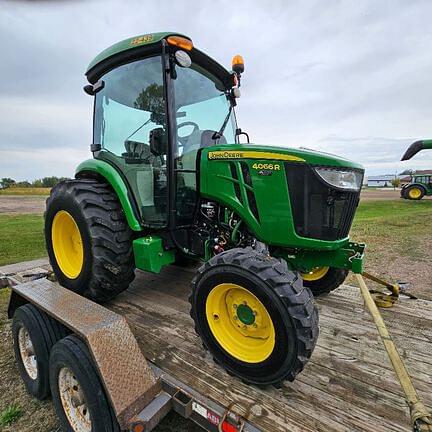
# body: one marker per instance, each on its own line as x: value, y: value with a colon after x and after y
x: 347, y: 77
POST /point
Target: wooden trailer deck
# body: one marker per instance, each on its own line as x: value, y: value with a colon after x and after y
x: 348, y: 385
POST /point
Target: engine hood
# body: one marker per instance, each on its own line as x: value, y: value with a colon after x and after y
x: 264, y: 152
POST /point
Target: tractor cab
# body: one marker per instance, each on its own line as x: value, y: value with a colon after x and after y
x: 157, y: 105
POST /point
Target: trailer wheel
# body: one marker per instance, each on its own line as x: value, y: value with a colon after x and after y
x: 88, y: 240
x: 34, y: 334
x: 322, y: 280
x: 254, y: 316
x: 79, y: 398
x: 414, y: 192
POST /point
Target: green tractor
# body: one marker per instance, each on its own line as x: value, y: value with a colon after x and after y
x: 419, y: 185
x: 170, y: 182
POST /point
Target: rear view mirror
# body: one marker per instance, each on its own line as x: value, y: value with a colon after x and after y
x: 158, y: 141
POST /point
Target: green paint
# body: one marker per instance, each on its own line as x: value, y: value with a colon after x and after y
x: 275, y: 225
x: 350, y: 257
x: 114, y: 179
x: 150, y: 255
x: 245, y: 314
x: 423, y: 181
x: 129, y: 44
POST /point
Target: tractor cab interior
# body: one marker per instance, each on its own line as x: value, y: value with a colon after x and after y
x: 138, y: 115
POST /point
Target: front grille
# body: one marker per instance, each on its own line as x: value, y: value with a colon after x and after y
x: 319, y: 210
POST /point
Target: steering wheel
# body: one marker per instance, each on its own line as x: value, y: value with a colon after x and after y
x: 183, y: 140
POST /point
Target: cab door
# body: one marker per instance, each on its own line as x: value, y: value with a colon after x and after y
x: 130, y: 111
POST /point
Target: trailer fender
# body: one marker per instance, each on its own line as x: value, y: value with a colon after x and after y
x: 15, y: 301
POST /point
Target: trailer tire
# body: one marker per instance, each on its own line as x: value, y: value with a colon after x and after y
x: 278, y: 333
x: 34, y: 332
x: 332, y: 279
x: 88, y: 239
x: 73, y: 377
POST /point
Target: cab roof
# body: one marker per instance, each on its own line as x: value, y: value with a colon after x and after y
x: 130, y: 44
x: 144, y: 45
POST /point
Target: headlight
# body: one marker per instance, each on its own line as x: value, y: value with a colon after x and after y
x: 348, y: 180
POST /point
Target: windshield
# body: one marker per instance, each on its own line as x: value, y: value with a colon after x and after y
x: 202, y: 108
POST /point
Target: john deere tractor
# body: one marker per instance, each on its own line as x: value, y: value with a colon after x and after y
x: 170, y: 181
x: 419, y: 185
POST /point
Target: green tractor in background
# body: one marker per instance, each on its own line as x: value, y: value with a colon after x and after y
x: 170, y: 181
x: 419, y: 185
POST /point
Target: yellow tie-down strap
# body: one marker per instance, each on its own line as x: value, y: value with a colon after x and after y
x: 127, y: 378
x: 421, y: 419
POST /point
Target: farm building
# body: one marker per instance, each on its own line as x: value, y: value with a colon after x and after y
x: 380, y: 180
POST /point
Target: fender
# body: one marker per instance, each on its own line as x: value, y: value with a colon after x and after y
x: 110, y: 174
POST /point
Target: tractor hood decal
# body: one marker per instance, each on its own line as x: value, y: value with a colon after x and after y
x: 225, y: 154
x: 268, y: 153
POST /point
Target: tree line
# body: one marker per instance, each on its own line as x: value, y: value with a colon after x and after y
x: 46, y: 182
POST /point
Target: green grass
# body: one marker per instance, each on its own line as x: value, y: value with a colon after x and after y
x: 25, y: 191
x: 394, y: 228
x: 21, y: 238
x: 392, y: 209
x: 10, y: 414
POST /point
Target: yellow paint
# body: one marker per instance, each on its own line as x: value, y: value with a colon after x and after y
x: 414, y: 193
x: 214, y: 155
x: 315, y: 274
x: 142, y: 39
x: 67, y: 244
x: 252, y: 343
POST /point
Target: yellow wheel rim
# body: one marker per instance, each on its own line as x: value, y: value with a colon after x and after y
x: 67, y: 244
x: 240, y: 323
x: 315, y: 274
x: 414, y: 193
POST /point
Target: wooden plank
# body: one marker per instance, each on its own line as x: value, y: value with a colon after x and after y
x: 348, y: 385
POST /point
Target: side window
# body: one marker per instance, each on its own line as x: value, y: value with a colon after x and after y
x: 129, y: 110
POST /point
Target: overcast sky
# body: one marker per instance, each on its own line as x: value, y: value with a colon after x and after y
x: 347, y: 77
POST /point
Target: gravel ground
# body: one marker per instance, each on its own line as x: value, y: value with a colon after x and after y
x: 16, y: 204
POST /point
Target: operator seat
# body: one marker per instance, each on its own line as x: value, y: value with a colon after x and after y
x: 196, y: 140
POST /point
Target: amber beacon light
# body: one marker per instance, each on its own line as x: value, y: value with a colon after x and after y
x: 180, y: 42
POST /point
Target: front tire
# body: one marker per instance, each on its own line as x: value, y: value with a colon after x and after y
x: 254, y: 316
x: 323, y: 280
x: 88, y: 240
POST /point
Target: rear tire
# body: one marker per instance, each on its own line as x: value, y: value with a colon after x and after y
x: 77, y: 392
x: 34, y: 334
x: 414, y: 192
x: 329, y: 282
x: 274, y: 329
x: 88, y: 240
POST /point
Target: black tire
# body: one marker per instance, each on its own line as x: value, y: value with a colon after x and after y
x: 43, y: 332
x: 329, y: 282
x: 73, y: 354
x: 412, y: 187
x: 108, y: 266
x: 289, y: 304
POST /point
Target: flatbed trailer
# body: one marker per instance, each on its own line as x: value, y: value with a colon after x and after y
x: 349, y: 384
